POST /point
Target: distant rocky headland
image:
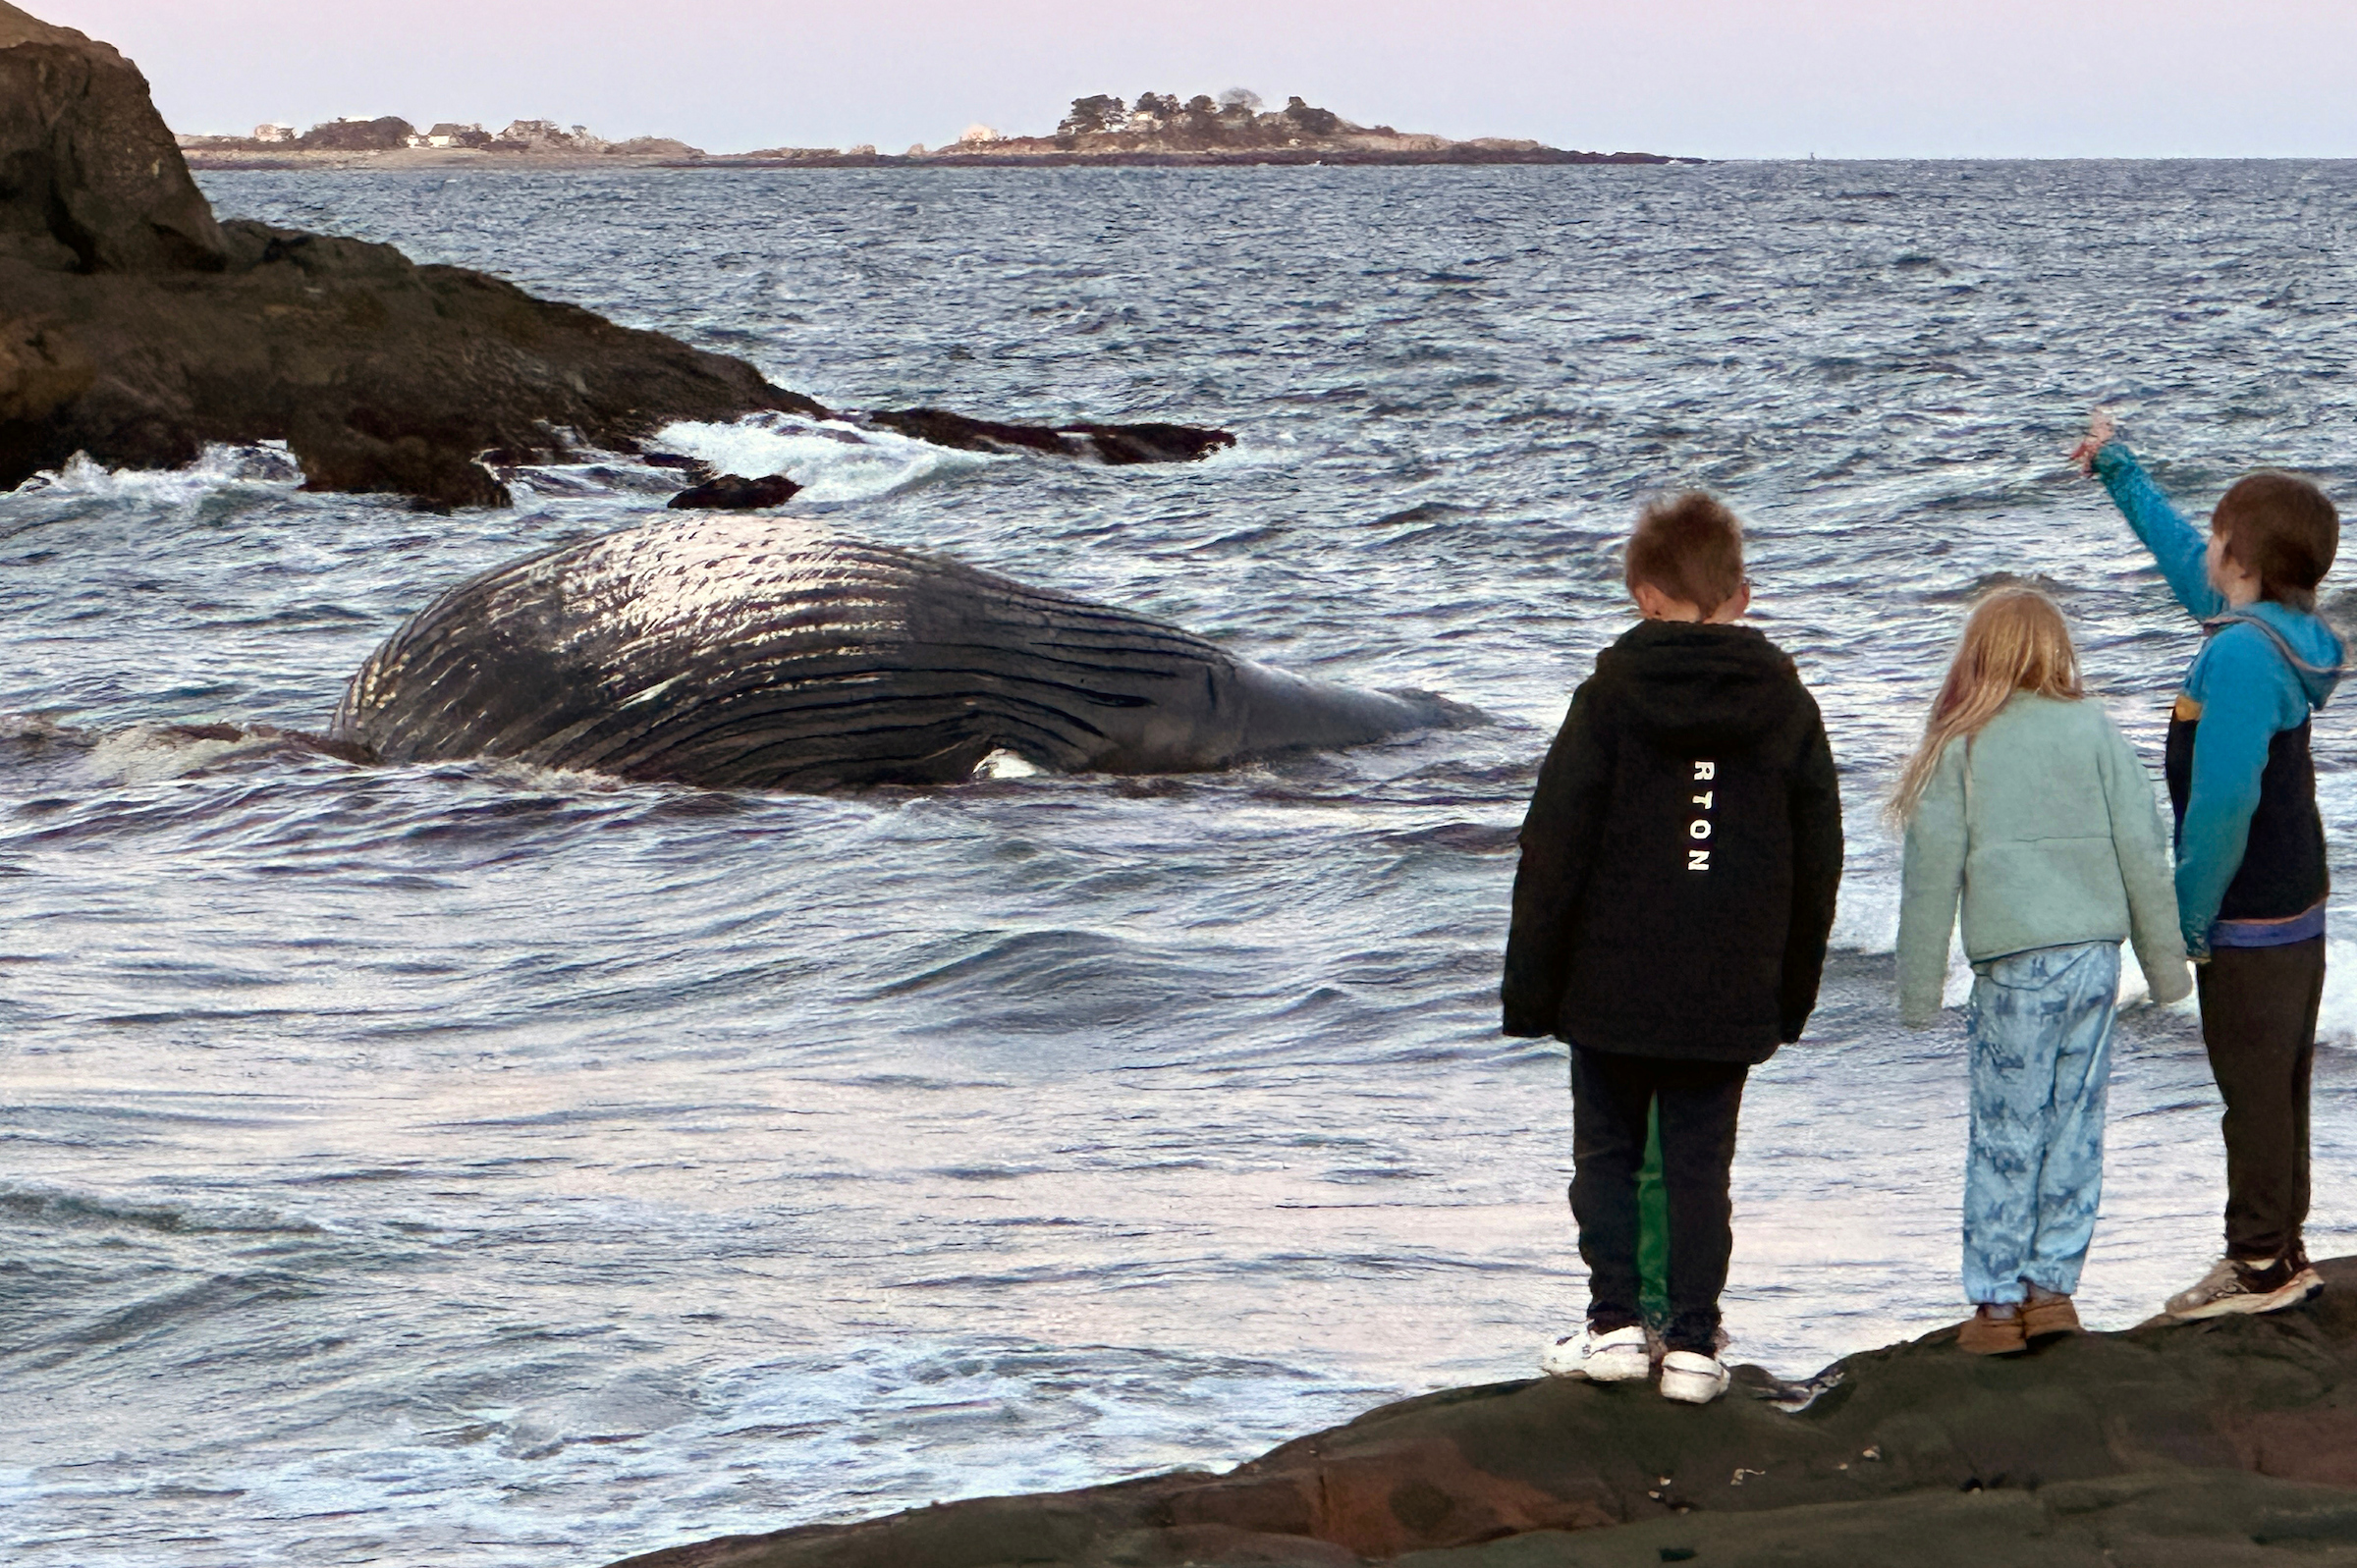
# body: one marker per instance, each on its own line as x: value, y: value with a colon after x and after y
x: 1158, y: 128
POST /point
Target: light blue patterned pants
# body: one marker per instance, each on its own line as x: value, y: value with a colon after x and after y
x: 2040, y: 1030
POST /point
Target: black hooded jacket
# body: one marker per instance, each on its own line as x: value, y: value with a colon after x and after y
x: 1681, y: 854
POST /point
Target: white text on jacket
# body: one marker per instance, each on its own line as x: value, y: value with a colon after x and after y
x: 1699, y: 828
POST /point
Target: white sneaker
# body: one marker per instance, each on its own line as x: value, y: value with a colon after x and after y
x: 1693, y: 1378
x: 1617, y: 1357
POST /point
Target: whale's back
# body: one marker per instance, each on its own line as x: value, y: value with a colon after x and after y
x: 768, y: 652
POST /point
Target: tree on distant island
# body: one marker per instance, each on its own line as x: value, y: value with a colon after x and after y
x: 1313, y: 122
x: 1091, y: 116
x: 1233, y: 120
x: 357, y: 136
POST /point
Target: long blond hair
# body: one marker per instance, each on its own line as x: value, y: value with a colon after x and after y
x: 2015, y: 640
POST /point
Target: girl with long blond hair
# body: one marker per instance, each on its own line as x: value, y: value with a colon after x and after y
x: 2024, y: 806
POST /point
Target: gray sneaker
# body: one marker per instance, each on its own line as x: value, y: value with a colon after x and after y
x: 2237, y: 1288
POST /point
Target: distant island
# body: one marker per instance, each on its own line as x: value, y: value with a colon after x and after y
x: 1158, y: 128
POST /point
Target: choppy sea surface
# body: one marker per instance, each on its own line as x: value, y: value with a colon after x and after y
x: 468, y: 1166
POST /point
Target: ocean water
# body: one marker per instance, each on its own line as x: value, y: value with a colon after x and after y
x: 480, y: 1166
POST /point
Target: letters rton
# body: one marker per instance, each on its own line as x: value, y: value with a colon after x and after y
x: 1700, y: 827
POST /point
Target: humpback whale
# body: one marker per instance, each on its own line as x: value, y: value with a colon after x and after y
x: 740, y: 651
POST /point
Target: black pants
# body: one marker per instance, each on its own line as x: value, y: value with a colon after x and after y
x: 1611, y: 1096
x: 2259, y: 1022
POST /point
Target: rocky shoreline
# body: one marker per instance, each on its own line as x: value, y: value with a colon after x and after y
x: 1157, y: 131
x: 403, y: 159
x: 2227, y: 1442
x: 136, y: 329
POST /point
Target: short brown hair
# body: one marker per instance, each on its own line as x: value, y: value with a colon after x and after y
x: 2282, y: 527
x: 1690, y: 547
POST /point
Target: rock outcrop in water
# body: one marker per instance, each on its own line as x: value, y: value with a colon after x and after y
x: 89, y: 177
x: 1114, y: 445
x: 135, y: 329
x: 2227, y: 1442
x: 733, y: 492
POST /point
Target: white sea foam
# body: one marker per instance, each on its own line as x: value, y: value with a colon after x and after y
x: 2337, y: 1021
x: 1866, y: 917
x: 217, y: 467
x: 1280, y: 452
x: 830, y: 459
x: 151, y: 753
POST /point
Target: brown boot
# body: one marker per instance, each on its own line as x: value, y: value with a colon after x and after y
x: 2044, y: 1314
x: 1993, y: 1331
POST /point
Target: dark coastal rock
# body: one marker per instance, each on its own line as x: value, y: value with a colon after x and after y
x: 89, y: 177
x: 2227, y: 1442
x: 1105, y: 443
x: 732, y: 492
x: 379, y: 374
x: 135, y: 328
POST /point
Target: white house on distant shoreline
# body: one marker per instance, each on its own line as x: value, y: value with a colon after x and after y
x: 450, y: 133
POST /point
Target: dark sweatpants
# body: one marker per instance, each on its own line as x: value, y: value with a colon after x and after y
x: 1611, y: 1096
x: 2259, y: 1022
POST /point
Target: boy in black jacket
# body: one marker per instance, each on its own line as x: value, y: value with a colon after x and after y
x: 1679, y: 864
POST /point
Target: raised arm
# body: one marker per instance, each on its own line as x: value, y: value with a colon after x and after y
x: 2178, y: 546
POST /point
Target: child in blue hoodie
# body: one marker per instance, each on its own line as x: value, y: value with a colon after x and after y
x: 2251, y: 873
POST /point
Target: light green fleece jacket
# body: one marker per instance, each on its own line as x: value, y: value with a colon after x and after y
x: 2046, y: 826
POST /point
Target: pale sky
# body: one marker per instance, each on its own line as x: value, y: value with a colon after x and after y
x: 1711, y: 77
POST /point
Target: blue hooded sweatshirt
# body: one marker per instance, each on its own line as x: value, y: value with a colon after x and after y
x: 2238, y: 740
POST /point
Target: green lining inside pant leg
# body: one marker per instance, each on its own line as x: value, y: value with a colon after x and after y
x: 1652, y: 1228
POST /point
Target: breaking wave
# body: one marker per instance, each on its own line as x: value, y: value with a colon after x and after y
x: 832, y: 461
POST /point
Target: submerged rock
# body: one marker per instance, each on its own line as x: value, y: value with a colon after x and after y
x: 2228, y: 1441
x: 1105, y: 443
x: 733, y: 492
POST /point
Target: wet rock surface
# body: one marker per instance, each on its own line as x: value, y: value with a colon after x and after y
x: 733, y: 492
x: 2230, y: 1441
x: 1104, y: 442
